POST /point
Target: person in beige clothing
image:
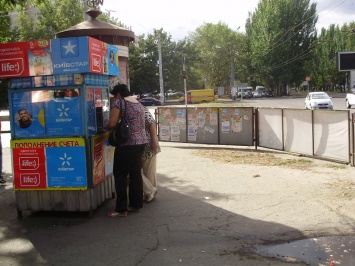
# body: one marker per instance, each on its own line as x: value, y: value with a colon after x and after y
x: 149, y: 158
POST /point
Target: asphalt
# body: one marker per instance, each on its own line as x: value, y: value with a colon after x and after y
x: 205, y: 213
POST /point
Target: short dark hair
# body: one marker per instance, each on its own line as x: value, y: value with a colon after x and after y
x: 122, y: 89
x: 23, y: 110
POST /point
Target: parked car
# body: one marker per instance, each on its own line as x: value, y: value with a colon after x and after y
x: 350, y: 99
x: 318, y: 100
x: 150, y: 102
x: 257, y: 94
x: 145, y: 95
x: 136, y: 96
x: 260, y: 90
x: 269, y: 93
x: 246, y: 92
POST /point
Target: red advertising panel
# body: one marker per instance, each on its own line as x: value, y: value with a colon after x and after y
x: 99, y: 159
x: 49, y: 164
x: 14, y: 60
x: 29, y: 168
x: 96, y: 52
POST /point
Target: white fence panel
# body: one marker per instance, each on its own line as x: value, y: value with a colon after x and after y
x: 331, y: 134
x: 270, y: 128
x: 297, y: 126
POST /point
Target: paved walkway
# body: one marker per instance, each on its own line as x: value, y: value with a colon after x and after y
x: 206, y: 213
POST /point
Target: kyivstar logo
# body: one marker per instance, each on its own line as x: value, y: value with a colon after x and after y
x: 69, y: 47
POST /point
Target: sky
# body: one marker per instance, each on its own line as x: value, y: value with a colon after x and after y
x: 179, y: 18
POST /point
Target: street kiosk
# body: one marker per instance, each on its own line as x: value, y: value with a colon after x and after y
x: 59, y: 108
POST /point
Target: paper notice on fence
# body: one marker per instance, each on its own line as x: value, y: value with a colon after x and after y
x: 236, y: 124
x: 175, y: 133
x: 246, y: 114
x: 164, y: 132
x: 192, y: 133
x: 209, y: 129
x: 213, y: 119
x: 225, y: 127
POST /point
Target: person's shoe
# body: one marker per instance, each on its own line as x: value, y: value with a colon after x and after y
x: 2, y: 180
x: 151, y: 197
x: 117, y: 214
x: 132, y: 209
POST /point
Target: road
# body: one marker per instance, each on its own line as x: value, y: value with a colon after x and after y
x: 286, y: 102
x: 280, y: 102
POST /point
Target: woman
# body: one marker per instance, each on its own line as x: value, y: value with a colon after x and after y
x: 127, y: 157
x: 149, y: 160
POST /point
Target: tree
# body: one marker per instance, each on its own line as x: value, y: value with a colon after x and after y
x: 13, y: 3
x: 144, y: 63
x: 281, y: 35
x: 5, y: 31
x: 323, y: 65
x: 217, y: 47
x: 49, y: 17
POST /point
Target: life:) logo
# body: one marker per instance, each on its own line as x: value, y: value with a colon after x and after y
x: 11, y: 67
x: 96, y: 63
x: 29, y: 163
x: 30, y: 180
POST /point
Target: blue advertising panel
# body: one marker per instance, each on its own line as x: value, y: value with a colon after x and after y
x: 21, y: 83
x: 113, y: 65
x: 91, y: 124
x: 28, y: 109
x: 64, y: 117
x: 70, y: 55
x: 66, y: 167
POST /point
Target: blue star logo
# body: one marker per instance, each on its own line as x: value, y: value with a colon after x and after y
x: 69, y: 47
x: 63, y: 111
x: 65, y: 160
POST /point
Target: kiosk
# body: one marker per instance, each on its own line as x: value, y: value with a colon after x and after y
x: 59, y: 108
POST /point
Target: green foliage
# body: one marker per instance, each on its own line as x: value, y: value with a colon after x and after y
x: 323, y: 67
x: 144, y: 63
x: 5, y: 32
x: 42, y: 20
x: 218, y: 48
x: 12, y: 3
x: 281, y: 34
x: 280, y: 46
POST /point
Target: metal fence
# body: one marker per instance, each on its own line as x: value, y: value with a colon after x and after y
x: 322, y: 134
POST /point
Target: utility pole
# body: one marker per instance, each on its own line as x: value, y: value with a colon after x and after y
x: 161, y: 81
x: 232, y: 71
x: 184, y: 77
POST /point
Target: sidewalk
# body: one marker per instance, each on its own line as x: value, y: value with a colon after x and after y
x: 206, y: 213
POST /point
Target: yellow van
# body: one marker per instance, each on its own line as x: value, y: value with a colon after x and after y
x: 198, y: 96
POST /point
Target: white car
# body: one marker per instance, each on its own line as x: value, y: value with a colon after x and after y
x: 318, y: 100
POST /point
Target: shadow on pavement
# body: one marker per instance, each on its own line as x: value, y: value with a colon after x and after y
x: 174, y: 229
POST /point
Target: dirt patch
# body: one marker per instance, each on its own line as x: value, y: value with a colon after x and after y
x: 263, y: 159
x: 343, y: 186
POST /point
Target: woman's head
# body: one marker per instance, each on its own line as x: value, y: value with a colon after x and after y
x: 120, y: 89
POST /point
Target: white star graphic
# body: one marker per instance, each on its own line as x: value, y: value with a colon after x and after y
x: 69, y: 48
x: 65, y: 159
x: 63, y: 110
